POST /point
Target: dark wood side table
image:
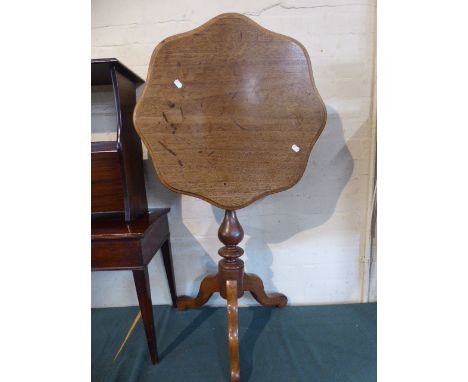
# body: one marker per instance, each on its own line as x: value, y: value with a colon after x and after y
x: 117, y: 245
x: 125, y: 235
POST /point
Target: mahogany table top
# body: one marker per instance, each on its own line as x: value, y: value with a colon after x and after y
x: 230, y: 111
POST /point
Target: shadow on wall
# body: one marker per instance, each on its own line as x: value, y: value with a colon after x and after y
x: 189, y: 256
x: 310, y: 203
x: 271, y: 220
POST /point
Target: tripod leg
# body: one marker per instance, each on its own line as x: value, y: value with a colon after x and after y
x: 231, y: 294
x: 254, y: 285
x: 208, y: 286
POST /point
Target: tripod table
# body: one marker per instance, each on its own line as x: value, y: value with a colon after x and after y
x: 230, y: 114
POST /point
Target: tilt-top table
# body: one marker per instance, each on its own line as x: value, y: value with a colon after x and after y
x: 230, y: 114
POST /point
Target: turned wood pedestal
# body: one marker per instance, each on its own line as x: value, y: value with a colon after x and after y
x: 231, y: 282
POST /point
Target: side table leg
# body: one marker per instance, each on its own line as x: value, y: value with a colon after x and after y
x: 141, y: 279
x: 167, y: 259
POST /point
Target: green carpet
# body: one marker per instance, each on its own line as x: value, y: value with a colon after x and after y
x: 334, y: 343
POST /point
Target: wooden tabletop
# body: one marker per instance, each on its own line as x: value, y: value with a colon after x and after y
x: 230, y: 111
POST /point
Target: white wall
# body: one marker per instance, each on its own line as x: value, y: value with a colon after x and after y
x: 310, y: 242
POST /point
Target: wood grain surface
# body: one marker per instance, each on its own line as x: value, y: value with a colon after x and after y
x: 244, y: 118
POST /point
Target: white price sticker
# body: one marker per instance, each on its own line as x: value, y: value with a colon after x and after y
x: 178, y: 83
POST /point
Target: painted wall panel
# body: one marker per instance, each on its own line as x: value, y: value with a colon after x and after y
x: 310, y: 241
